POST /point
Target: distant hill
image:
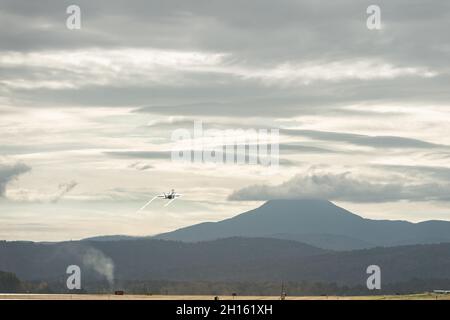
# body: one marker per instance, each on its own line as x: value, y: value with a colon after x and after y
x: 113, y: 238
x: 230, y: 259
x: 316, y: 222
x: 144, y: 258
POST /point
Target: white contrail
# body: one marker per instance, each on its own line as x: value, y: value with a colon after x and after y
x: 169, y: 202
x: 146, y: 204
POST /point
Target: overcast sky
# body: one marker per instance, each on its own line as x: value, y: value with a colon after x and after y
x: 86, y: 116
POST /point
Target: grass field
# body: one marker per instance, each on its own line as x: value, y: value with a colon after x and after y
x: 422, y: 296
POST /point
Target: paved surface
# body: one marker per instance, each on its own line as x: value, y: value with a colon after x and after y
x: 187, y: 297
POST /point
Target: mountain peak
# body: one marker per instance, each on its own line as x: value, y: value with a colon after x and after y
x: 297, y: 202
x: 279, y: 216
x: 319, y: 208
x: 317, y: 222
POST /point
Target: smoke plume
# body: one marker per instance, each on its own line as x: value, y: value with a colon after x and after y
x: 100, y: 263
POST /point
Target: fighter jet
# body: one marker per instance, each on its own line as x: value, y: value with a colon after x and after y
x: 171, y: 196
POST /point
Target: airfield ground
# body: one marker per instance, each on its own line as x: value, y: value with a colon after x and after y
x: 423, y: 296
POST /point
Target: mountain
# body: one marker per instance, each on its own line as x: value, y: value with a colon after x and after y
x: 230, y: 259
x: 316, y: 222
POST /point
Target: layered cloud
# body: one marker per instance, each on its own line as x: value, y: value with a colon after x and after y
x: 96, y: 67
x: 63, y: 189
x: 22, y: 195
x: 364, y: 140
x: 9, y: 172
x: 211, y: 59
x: 151, y: 67
x: 345, y: 187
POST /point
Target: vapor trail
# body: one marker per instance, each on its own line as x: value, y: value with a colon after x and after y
x: 146, y: 204
x: 169, y: 202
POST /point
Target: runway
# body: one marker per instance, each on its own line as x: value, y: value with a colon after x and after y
x: 424, y: 296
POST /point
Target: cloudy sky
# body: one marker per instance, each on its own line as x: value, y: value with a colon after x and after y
x: 86, y: 116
